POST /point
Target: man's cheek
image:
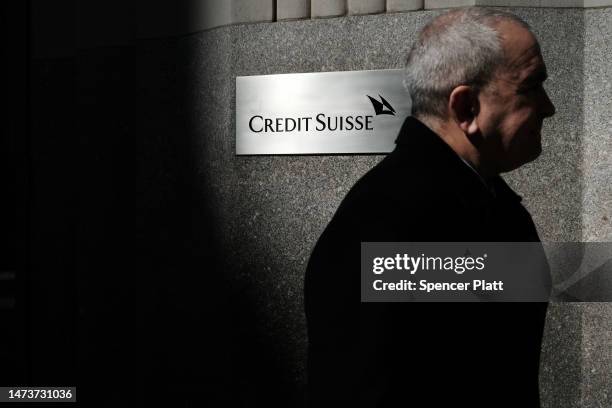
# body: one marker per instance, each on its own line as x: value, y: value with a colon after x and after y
x: 526, y: 146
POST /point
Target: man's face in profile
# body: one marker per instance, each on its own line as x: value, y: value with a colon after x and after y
x: 514, y: 104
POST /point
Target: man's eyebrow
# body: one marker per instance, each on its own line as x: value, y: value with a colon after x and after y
x: 538, y: 76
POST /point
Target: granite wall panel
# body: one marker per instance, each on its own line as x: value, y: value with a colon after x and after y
x: 597, y: 201
x: 404, y: 5
x: 530, y: 3
x: 438, y: 4
x: 356, y: 7
x: 253, y: 11
x: 327, y: 8
x: 292, y: 9
x: 597, y: 143
x: 264, y: 213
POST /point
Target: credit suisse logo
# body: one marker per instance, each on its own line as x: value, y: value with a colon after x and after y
x: 322, y: 122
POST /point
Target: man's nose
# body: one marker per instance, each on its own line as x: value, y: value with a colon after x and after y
x: 548, y: 108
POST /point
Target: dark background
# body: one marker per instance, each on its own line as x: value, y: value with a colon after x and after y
x: 144, y: 262
x: 100, y: 289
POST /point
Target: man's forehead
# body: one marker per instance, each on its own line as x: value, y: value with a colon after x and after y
x: 524, y: 58
x: 522, y: 51
x: 529, y: 66
x: 518, y: 42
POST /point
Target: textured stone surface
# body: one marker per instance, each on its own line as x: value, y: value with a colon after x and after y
x: 404, y: 5
x: 175, y: 18
x: 356, y: 7
x: 292, y: 9
x: 436, y: 4
x: 267, y: 212
x: 597, y: 3
x: 433, y: 4
x: 252, y: 11
x: 531, y: 3
x: 597, y: 355
x: 327, y: 8
x: 597, y: 200
x: 214, y: 13
x: 597, y: 162
x: 561, y: 359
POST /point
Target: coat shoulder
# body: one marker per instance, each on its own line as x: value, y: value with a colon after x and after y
x: 384, y: 203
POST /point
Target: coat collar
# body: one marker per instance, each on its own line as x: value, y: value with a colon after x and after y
x: 433, y: 155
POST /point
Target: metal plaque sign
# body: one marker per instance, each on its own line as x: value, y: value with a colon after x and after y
x: 320, y: 113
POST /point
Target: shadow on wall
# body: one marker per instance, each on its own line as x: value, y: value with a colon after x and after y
x: 199, y: 301
x: 131, y: 274
x: 202, y: 315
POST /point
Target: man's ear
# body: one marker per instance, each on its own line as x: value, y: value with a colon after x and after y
x: 463, y: 108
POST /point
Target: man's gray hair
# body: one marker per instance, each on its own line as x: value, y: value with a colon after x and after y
x: 461, y: 47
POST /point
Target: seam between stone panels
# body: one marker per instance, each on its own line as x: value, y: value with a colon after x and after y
x: 290, y: 20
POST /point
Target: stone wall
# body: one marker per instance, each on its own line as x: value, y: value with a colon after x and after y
x: 269, y: 211
x: 214, y: 295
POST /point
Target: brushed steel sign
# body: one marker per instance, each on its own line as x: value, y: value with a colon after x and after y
x: 320, y: 113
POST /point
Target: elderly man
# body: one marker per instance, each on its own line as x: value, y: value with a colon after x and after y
x: 475, y: 78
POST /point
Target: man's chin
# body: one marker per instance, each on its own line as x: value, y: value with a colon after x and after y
x: 537, y: 151
x: 534, y: 154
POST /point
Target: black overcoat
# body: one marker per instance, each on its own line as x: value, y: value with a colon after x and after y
x: 419, y: 354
